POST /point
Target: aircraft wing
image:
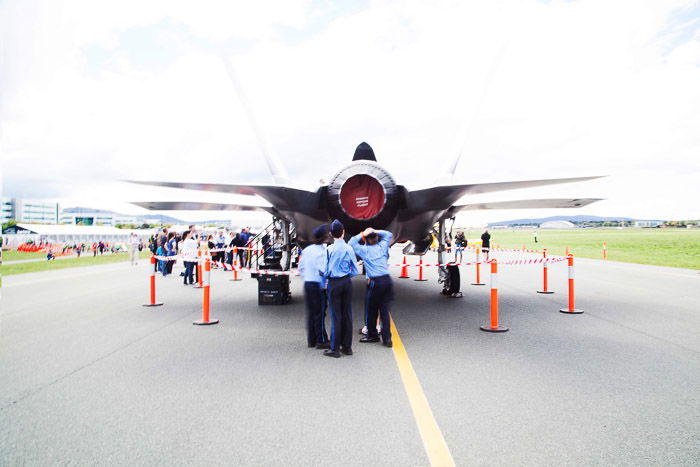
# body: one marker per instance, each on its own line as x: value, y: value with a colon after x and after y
x: 281, y: 197
x: 441, y: 197
x: 524, y: 204
x: 197, y: 206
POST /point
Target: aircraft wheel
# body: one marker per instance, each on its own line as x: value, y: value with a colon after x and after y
x: 452, y: 280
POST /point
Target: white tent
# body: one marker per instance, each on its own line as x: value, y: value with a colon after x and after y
x: 70, y: 234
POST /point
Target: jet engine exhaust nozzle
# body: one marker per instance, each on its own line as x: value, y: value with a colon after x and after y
x: 361, y: 195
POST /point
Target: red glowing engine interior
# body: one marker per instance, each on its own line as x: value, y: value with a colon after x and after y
x: 362, y: 196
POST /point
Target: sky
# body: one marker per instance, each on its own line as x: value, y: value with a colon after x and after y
x: 97, y: 92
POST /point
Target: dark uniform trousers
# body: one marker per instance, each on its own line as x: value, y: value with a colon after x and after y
x: 340, y: 298
x: 315, y: 313
x: 380, y: 294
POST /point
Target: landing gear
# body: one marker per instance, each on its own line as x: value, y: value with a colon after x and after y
x: 452, y: 281
x: 448, y: 275
x: 286, y: 260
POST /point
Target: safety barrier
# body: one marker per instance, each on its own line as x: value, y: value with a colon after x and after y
x: 477, y: 267
x: 235, y: 264
x: 205, y: 321
x: 544, y: 290
x: 271, y: 272
x: 420, y: 271
x: 152, y: 281
x: 199, y: 270
x: 571, y: 309
x: 205, y: 264
x: 494, y: 326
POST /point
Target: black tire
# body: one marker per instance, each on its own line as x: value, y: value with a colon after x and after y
x: 452, y: 284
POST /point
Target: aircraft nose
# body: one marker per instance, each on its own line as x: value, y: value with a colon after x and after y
x: 364, y: 152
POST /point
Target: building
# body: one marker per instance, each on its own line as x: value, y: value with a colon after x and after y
x: 87, y: 216
x: 29, y: 210
x: 648, y: 223
x: 557, y: 225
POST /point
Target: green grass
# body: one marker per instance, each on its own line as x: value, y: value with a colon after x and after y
x: 662, y: 247
x: 12, y: 255
x: 85, y: 260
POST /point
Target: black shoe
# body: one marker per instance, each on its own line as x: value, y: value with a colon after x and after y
x: 368, y: 339
x: 387, y: 344
x: 347, y: 351
x: 311, y: 346
x: 324, y: 345
x: 332, y: 353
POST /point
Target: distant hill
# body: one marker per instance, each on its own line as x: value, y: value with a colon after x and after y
x: 579, y: 219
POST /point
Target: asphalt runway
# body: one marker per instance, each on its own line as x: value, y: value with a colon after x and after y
x: 90, y: 377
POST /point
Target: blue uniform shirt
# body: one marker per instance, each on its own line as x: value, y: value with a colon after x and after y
x: 312, y: 265
x: 376, y: 257
x: 341, y: 260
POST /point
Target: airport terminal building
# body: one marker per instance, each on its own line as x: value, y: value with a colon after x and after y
x: 85, y: 216
x: 29, y: 210
x: 33, y: 211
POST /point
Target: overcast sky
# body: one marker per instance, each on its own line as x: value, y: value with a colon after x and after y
x: 94, y: 92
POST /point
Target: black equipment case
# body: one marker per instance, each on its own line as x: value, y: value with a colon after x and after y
x: 273, y: 290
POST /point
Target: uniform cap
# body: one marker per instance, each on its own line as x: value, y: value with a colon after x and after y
x: 320, y: 231
x: 336, y: 227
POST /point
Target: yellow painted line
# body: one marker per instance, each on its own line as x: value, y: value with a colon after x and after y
x: 433, y: 441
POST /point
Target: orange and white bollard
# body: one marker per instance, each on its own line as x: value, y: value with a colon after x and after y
x: 199, y: 270
x: 572, y: 309
x: 205, y: 321
x: 404, y: 269
x: 235, y: 264
x: 153, y: 284
x: 544, y: 275
x: 478, y: 268
x: 605, y: 250
x: 494, y: 326
x: 420, y: 271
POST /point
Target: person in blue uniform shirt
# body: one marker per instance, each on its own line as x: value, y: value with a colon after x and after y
x: 341, y: 267
x: 372, y: 246
x: 312, y: 267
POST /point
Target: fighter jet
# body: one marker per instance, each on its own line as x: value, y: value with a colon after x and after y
x: 364, y: 194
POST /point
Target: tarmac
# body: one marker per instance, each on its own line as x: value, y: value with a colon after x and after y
x: 89, y: 376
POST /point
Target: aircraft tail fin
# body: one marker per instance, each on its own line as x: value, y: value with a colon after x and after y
x: 274, y: 164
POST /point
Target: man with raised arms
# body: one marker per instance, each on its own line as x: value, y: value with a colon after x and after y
x: 372, y: 246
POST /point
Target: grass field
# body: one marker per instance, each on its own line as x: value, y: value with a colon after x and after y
x: 85, y: 260
x: 662, y: 247
x: 12, y: 255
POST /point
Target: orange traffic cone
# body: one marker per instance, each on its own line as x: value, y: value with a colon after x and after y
x: 404, y: 269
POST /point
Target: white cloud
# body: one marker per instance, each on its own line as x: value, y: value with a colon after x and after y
x: 557, y: 89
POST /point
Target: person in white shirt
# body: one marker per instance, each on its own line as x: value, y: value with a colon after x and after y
x: 189, y: 256
x: 134, y: 248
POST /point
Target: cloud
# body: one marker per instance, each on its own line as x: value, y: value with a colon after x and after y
x: 134, y: 90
